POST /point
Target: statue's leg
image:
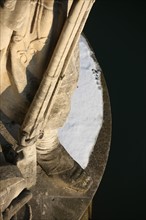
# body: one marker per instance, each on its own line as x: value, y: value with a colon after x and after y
x: 51, y: 155
x: 49, y: 146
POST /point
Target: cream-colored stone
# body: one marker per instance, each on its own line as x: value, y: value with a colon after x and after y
x: 39, y: 64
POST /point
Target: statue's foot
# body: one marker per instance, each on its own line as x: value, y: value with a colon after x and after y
x: 55, y: 162
x: 68, y: 172
x: 76, y: 179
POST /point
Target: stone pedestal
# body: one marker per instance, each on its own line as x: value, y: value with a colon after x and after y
x: 52, y: 200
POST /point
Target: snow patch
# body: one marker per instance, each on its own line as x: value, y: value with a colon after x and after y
x: 83, y: 124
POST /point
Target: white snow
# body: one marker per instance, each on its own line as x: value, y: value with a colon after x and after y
x: 81, y: 129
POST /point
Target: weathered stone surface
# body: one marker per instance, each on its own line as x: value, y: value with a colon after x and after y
x: 39, y: 69
x: 51, y: 200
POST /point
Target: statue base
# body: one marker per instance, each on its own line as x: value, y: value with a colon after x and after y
x: 51, y: 200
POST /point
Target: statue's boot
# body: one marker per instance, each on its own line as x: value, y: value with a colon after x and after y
x: 76, y: 178
x: 56, y: 161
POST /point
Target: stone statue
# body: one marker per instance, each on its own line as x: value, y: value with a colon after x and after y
x: 39, y: 65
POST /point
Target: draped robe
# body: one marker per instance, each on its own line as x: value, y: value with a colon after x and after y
x: 29, y: 31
